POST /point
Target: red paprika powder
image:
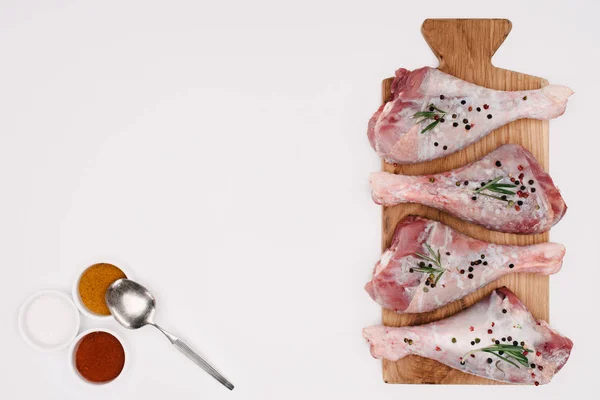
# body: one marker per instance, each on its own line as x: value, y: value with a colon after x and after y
x: 99, y: 357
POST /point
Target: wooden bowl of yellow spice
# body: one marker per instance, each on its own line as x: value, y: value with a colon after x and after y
x: 90, y: 288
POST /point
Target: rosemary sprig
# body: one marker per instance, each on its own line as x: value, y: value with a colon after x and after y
x: 495, y: 187
x: 434, y: 258
x: 436, y: 115
x: 510, y: 353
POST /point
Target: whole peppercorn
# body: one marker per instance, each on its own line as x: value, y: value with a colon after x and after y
x: 470, y: 269
x: 422, y: 264
x: 530, y: 182
x: 445, y: 147
x: 470, y: 276
x: 532, y: 365
x: 540, y: 368
x: 472, y: 343
x: 436, y: 144
x: 511, y: 265
x: 520, y: 202
x: 442, y: 120
x: 504, y: 339
x: 411, y: 270
x: 532, y: 190
x: 498, y: 164
x: 467, y: 127
x: 453, y: 340
x: 485, y: 263
x: 504, y: 311
x: 485, y: 106
x: 515, y: 343
x: 431, y: 108
x: 462, y: 271
x: 447, y: 253
x: 463, y: 102
x: 473, y: 198
x: 455, y: 124
x: 465, y: 121
x: 536, y: 383
x: 509, y: 338
x: 489, y: 360
x: 466, y: 183
x: 478, y: 108
x: 442, y: 97
x: 482, y: 256
x: 454, y: 116
x: 489, y: 116
x: 497, y: 342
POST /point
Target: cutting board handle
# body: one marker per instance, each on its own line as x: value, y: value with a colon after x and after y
x: 444, y: 36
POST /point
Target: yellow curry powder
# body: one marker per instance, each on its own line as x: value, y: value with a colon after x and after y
x: 93, y: 285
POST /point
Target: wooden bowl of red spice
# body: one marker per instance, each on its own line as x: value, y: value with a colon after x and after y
x: 98, y: 356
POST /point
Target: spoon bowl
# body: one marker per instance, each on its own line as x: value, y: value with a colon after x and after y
x: 130, y: 303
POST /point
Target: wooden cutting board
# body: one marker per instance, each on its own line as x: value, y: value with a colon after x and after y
x: 465, y: 48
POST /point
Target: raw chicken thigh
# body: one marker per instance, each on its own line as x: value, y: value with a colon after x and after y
x: 433, y: 114
x: 507, y: 190
x: 497, y: 338
x: 430, y: 264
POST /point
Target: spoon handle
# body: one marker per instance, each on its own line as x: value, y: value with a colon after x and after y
x: 195, y: 357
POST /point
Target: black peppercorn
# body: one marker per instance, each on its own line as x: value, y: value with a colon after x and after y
x: 520, y: 202
x: 422, y: 264
x: 431, y: 108
x: 504, y: 311
x: 482, y: 256
x: 473, y: 198
x: 445, y: 147
x: 442, y: 97
x: 485, y: 263
x: 465, y: 121
x: 500, y: 352
x: 470, y: 269
x: 442, y: 120
x: 511, y: 265
x: 503, y: 197
x: 523, y: 187
x: 522, y: 343
x: 532, y: 190
x: 515, y: 343
x: 462, y: 271
x: 509, y: 338
x: 504, y: 339
x: 433, y: 285
x: 489, y: 360
x: 517, y: 182
x: 532, y: 365
x: 455, y: 124
x: 463, y: 102
x: 478, y: 108
x: 489, y: 116
x: 497, y: 342
x: 470, y: 276
x: 447, y: 253
x: 466, y: 183
x: 482, y: 184
x: 498, y: 164
x: 530, y: 182
x: 436, y: 144
x: 454, y: 115
x: 467, y: 127
x: 472, y: 343
x: 411, y: 270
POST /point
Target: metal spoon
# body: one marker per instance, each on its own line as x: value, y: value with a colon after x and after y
x: 133, y: 306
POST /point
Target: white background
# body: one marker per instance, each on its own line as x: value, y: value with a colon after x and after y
x: 219, y: 151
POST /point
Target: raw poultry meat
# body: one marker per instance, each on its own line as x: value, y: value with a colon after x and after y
x: 497, y: 338
x: 507, y: 190
x: 430, y: 264
x: 433, y: 114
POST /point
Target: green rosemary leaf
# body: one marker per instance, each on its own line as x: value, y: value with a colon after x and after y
x: 430, y: 126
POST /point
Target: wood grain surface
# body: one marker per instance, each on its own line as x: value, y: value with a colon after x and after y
x: 465, y: 48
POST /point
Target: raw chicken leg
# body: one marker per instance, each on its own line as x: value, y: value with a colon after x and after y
x: 430, y: 264
x: 506, y: 190
x: 497, y: 338
x: 433, y: 114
